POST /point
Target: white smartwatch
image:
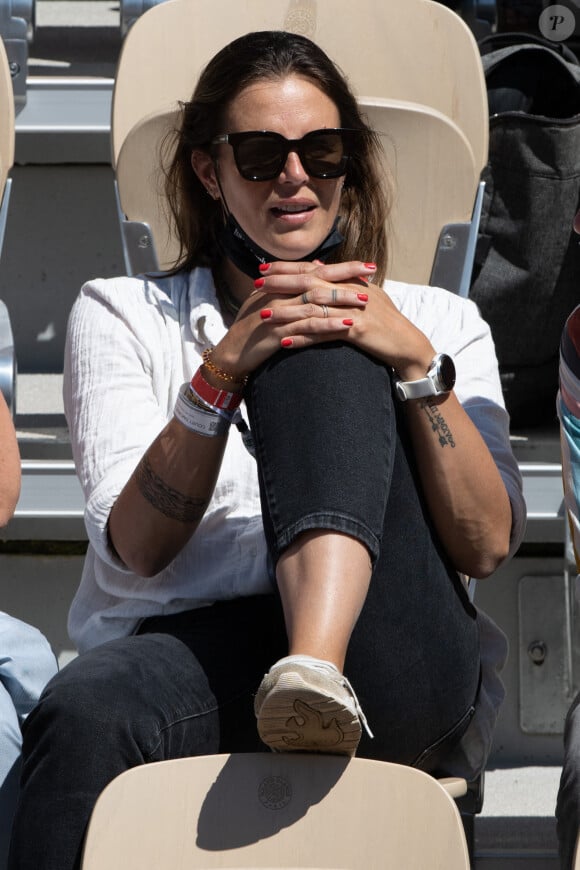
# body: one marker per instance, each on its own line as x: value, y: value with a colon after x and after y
x: 440, y: 379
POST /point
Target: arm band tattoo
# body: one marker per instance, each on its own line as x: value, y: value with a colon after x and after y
x: 438, y: 424
x: 168, y: 501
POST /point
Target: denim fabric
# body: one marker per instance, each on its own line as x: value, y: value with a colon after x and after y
x: 568, y: 804
x: 10, y: 747
x: 333, y: 452
x: 26, y: 665
x: 332, y: 409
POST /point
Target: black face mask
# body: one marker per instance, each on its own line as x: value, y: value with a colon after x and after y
x: 247, y: 255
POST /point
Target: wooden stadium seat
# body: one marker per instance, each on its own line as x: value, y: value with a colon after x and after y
x: 414, y: 50
x: 435, y: 182
x: 270, y: 810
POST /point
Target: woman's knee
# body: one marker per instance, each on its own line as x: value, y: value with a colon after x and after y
x: 129, y: 694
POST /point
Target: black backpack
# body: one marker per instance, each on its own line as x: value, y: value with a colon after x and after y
x: 526, y: 276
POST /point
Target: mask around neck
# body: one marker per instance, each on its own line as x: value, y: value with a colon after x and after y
x: 247, y: 255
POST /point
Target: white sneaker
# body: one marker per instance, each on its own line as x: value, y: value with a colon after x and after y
x: 306, y: 704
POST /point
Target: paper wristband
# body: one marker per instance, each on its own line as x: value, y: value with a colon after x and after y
x: 218, y: 398
x: 196, y: 419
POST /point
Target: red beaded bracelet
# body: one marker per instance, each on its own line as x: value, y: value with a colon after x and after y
x: 217, y: 398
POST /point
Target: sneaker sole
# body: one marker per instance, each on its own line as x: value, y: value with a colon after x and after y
x: 296, y: 717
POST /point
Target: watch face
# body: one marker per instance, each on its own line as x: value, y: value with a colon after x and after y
x: 446, y: 372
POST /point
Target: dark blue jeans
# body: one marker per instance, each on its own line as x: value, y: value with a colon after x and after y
x: 332, y: 452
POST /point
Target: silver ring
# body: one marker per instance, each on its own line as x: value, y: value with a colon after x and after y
x: 324, y: 310
x: 305, y: 297
x: 334, y: 295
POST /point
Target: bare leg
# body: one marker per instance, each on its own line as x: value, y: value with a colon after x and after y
x: 323, y: 578
x: 311, y: 419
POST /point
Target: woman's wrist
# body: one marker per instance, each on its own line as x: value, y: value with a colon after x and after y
x: 411, y: 369
x: 222, y: 374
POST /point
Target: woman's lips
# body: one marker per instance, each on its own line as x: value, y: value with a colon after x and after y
x: 293, y: 213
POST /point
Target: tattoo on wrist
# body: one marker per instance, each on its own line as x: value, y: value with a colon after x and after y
x: 168, y: 501
x: 438, y: 424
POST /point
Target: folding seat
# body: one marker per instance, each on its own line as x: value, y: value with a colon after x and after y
x: 430, y: 161
x: 415, y: 50
x: 273, y: 810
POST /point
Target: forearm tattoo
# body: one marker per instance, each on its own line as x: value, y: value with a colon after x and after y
x: 165, y: 499
x: 438, y: 424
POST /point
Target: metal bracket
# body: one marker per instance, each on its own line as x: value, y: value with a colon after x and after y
x: 139, y: 250
x: 453, y: 263
x: 132, y: 9
x: 16, y: 24
x: 548, y: 653
x: 7, y: 360
x: 7, y: 353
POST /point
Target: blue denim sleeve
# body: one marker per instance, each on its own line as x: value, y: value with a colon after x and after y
x: 27, y: 662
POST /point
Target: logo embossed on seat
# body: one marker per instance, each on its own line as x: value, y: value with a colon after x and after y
x: 275, y: 792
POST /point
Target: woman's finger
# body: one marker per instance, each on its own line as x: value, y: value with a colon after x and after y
x: 305, y: 339
x: 337, y: 272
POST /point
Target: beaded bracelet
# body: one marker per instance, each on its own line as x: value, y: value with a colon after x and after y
x: 220, y: 373
x: 196, y: 419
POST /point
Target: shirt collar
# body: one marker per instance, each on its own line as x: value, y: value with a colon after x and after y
x: 206, y: 321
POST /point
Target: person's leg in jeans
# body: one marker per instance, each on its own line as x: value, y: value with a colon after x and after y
x: 335, y: 464
x: 10, y: 747
x: 26, y: 665
x: 181, y: 687
x: 568, y: 806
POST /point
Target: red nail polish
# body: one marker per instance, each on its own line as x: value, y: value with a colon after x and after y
x: 287, y: 342
x: 348, y: 321
x: 259, y: 282
x: 372, y: 266
x: 364, y: 297
x: 265, y: 313
x: 263, y: 267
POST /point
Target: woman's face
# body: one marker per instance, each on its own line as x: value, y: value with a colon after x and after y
x: 290, y: 215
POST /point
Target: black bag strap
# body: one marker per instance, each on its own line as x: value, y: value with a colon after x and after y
x: 495, y: 41
x: 531, y: 77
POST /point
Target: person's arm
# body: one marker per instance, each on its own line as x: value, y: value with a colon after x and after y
x: 464, y: 490
x: 9, y: 464
x: 467, y: 499
x: 147, y: 481
x: 165, y: 499
x: 568, y: 405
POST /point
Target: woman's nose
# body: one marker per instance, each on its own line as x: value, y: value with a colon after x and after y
x: 293, y: 168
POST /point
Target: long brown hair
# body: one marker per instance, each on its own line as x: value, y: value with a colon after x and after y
x: 266, y: 55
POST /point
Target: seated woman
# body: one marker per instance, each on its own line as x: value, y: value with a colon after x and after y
x: 333, y: 560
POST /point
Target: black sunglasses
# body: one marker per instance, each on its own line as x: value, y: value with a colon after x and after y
x: 261, y: 155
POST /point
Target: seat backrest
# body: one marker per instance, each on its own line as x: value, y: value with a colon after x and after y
x: 7, y: 134
x: 414, y: 50
x: 434, y: 174
x: 277, y: 811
